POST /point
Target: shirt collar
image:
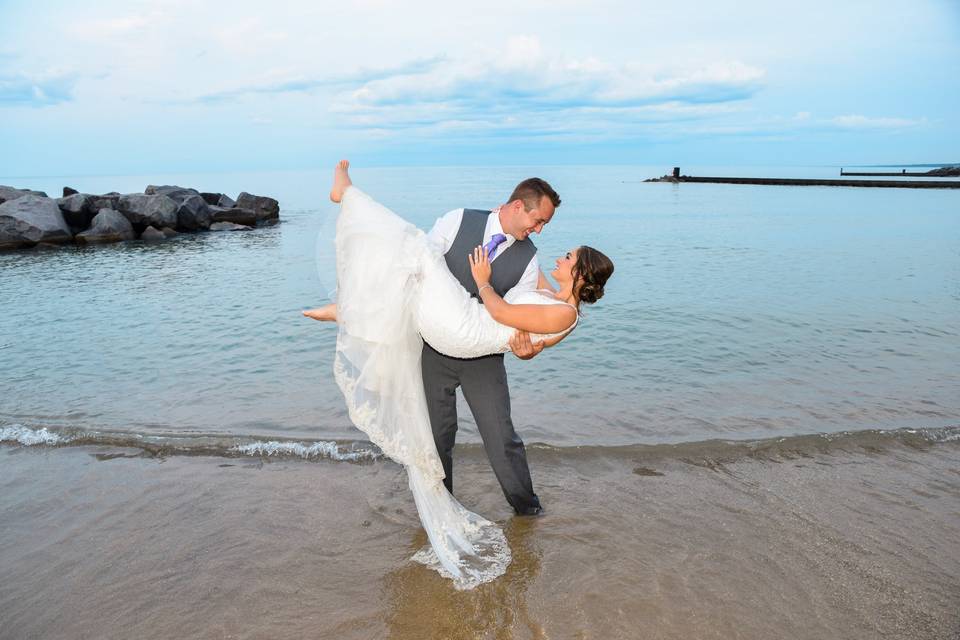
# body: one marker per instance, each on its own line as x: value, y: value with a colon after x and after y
x: 494, y: 227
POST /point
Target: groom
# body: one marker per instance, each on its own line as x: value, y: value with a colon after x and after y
x: 504, y: 232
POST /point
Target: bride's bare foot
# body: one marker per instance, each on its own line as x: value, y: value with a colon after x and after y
x: 326, y: 314
x: 341, y: 180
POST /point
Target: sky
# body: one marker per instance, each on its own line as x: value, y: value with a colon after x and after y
x: 139, y: 86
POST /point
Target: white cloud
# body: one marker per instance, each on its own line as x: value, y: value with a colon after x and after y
x: 247, y: 37
x: 36, y: 90
x: 277, y: 81
x: 99, y: 28
x: 521, y: 86
x: 522, y: 73
x: 864, y: 122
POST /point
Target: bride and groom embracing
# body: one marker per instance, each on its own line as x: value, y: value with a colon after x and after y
x: 421, y: 314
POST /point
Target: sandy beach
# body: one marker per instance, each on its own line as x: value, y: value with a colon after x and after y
x: 850, y: 537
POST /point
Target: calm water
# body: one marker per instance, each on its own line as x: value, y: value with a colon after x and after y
x: 735, y: 311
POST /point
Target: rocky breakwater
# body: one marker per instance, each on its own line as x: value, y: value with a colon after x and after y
x: 31, y: 218
x: 945, y: 172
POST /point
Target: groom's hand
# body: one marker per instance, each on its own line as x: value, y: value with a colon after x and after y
x: 522, y: 347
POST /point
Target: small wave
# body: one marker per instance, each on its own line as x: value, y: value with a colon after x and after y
x: 707, y: 452
x: 30, y: 437
x: 180, y: 444
x: 714, y: 452
x: 951, y: 436
x: 320, y: 449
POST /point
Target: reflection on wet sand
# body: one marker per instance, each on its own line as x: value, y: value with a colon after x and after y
x: 422, y: 604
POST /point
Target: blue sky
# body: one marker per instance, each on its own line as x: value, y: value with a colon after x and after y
x: 166, y: 85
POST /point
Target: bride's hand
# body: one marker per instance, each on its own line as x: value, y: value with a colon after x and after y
x: 479, y: 266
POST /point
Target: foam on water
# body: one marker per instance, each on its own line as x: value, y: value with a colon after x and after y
x: 29, y: 437
x: 163, y: 445
x: 320, y: 449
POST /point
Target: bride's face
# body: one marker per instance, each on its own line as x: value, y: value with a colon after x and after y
x: 564, y: 269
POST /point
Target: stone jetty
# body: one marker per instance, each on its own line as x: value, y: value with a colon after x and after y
x: 32, y: 218
x: 942, y: 172
x: 676, y: 177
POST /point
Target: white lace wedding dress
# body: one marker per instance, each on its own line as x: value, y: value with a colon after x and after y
x: 393, y: 287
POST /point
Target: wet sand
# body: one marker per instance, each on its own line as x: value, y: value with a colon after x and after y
x: 811, y: 542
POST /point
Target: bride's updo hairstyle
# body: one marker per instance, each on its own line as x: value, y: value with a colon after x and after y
x: 591, y: 271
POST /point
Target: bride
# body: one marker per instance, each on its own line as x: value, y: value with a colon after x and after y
x: 393, y: 292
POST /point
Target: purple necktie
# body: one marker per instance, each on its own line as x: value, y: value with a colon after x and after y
x: 491, y: 247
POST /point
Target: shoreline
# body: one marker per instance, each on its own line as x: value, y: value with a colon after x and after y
x: 161, y: 445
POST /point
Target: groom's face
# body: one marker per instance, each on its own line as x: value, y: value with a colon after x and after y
x: 533, y: 221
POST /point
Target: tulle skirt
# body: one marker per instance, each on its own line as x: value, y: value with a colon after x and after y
x: 384, y: 265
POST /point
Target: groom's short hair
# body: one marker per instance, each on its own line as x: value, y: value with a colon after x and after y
x: 531, y: 191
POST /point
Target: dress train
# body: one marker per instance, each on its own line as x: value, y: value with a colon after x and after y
x: 385, y: 267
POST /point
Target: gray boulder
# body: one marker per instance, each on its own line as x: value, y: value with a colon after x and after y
x: 106, y: 201
x: 233, y: 214
x: 228, y: 226
x: 264, y: 207
x: 148, y: 210
x: 107, y: 226
x: 76, y: 210
x: 219, y: 199
x: 178, y: 194
x: 30, y: 219
x: 151, y: 234
x: 193, y: 214
x: 69, y: 191
x: 168, y: 232
x: 12, y: 193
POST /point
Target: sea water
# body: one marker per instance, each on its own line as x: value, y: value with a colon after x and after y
x: 735, y: 311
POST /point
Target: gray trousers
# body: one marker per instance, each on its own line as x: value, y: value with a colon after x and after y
x: 484, y: 384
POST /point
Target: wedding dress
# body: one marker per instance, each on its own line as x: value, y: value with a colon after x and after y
x: 392, y: 288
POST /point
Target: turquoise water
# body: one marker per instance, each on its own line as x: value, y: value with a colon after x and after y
x: 735, y: 312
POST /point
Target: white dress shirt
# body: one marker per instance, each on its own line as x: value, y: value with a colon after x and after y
x: 444, y: 232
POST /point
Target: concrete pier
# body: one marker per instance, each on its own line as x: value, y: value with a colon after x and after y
x: 812, y: 182
x: 915, y: 174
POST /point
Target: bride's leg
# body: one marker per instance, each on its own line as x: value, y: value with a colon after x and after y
x: 327, y: 313
x: 341, y: 180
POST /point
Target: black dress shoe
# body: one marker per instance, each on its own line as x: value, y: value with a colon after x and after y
x: 530, y: 511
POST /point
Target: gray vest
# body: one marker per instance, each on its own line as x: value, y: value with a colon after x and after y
x: 506, y: 270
